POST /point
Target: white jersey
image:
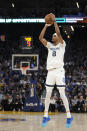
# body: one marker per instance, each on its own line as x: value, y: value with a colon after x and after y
x: 55, y: 57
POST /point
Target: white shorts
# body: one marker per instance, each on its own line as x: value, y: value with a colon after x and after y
x: 56, y: 76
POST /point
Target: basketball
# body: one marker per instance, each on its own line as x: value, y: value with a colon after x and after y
x: 49, y: 18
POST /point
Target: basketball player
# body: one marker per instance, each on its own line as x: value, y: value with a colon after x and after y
x: 56, y: 72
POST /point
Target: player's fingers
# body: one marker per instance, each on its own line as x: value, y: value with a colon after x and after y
x: 52, y: 14
x: 53, y: 17
x: 48, y: 24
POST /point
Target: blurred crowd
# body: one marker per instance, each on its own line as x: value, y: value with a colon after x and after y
x: 15, y: 87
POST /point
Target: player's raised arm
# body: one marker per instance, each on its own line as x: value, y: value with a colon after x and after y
x: 41, y: 37
x: 57, y: 30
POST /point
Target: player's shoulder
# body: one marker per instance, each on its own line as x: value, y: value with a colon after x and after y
x: 64, y: 44
x: 49, y: 44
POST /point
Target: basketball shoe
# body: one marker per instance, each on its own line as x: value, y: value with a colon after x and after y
x: 45, y: 121
x: 69, y: 122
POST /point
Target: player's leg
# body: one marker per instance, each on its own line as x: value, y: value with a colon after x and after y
x: 47, y: 99
x: 65, y: 100
x: 60, y: 81
x: 66, y: 104
x: 50, y: 81
x: 46, y: 118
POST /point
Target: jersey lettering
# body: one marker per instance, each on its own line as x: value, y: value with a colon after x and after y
x: 54, y: 53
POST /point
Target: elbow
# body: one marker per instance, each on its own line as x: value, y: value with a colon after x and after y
x: 39, y: 38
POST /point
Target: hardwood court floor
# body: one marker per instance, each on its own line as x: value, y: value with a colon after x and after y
x: 14, y: 121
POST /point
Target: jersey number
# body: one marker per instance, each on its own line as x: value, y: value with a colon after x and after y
x: 54, y: 53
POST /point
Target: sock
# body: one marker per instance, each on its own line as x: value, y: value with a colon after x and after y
x: 68, y: 114
x: 46, y: 114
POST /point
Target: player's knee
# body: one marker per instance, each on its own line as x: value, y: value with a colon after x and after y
x: 62, y: 92
x: 61, y: 89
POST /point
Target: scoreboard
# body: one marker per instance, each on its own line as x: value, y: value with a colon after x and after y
x: 26, y: 42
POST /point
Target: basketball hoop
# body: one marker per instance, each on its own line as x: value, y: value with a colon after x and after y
x: 24, y: 69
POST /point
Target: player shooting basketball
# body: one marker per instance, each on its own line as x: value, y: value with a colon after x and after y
x: 55, y: 67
